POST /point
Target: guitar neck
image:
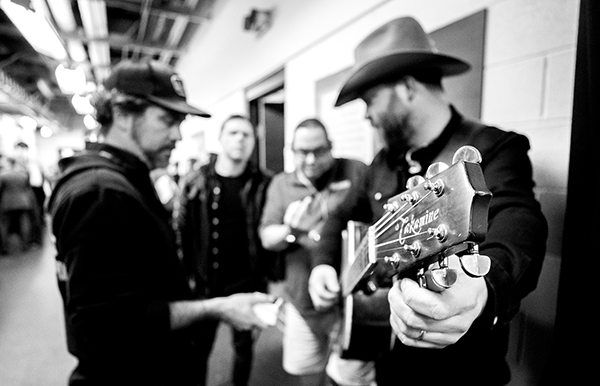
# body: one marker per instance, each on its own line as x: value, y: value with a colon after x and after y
x: 423, y: 225
x: 360, y: 259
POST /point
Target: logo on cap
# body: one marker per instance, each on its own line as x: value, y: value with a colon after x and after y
x: 177, y: 85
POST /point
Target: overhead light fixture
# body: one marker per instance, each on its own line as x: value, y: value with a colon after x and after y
x: 90, y: 122
x: 82, y: 104
x: 27, y: 123
x: 71, y: 80
x: 42, y: 85
x: 36, y: 29
x: 46, y: 131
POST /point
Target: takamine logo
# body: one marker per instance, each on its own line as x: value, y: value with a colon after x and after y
x: 414, y: 226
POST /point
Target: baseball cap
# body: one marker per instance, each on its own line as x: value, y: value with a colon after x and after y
x: 154, y: 81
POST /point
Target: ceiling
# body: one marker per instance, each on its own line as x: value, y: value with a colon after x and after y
x: 160, y: 29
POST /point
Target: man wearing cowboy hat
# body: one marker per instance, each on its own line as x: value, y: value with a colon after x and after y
x: 460, y: 335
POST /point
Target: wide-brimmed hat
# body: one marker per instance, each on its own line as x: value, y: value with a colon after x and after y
x: 154, y: 81
x: 398, y: 47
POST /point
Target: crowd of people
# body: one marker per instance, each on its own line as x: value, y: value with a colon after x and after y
x: 146, y: 277
x: 22, y: 198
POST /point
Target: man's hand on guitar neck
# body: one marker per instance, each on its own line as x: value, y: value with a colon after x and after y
x: 323, y: 287
x: 424, y: 318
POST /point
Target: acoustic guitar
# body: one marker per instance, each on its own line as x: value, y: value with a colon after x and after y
x: 441, y: 214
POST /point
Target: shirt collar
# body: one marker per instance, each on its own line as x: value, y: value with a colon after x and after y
x: 425, y: 155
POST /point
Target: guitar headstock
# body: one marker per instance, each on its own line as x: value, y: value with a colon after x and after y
x: 443, y: 213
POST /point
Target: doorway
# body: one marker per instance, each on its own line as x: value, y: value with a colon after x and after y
x: 267, y: 108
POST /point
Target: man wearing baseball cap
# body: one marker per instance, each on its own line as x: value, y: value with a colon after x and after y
x: 458, y: 336
x: 128, y: 311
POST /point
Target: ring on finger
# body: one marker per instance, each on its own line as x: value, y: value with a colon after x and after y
x: 421, y: 335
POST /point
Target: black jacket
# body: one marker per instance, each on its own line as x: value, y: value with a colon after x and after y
x: 515, y: 242
x: 117, y: 270
x: 193, y: 224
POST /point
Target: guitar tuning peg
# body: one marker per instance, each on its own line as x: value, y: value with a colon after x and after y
x: 438, y: 279
x: 467, y: 153
x: 435, y: 169
x: 475, y: 265
x: 414, y: 181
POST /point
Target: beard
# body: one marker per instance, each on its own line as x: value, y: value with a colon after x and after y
x: 396, y: 133
x: 157, y: 158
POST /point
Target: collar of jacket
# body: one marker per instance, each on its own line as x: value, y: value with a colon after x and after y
x: 197, y: 183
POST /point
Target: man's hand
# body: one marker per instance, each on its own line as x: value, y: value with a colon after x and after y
x: 423, y: 318
x: 295, y: 212
x: 274, y: 237
x: 238, y: 310
x: 323, y: 286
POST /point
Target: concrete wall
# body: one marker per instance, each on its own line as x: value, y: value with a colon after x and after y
x: 527, y: 87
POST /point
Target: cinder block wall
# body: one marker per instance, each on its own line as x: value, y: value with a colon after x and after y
x: 528, y: 87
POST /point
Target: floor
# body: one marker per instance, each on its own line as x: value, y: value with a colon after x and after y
x: 32, y: 338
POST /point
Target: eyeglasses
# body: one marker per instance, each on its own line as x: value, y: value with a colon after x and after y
x: 317, y: 152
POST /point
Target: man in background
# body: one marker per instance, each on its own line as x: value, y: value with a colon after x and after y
x: 19, y: 215
x: 219, y: 211
x: 37, y: 180
x: 298, y: 203
x: 130, y: 315
x: 460, y: 335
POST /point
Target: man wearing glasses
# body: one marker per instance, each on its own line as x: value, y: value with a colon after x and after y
x: 296, y: 207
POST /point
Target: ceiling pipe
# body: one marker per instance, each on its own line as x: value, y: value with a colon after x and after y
x: 95, y: 25
x: 177, y: 30
x: 62, y: 15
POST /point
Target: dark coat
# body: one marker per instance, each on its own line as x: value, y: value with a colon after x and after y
x: 515, y: 242
x: 194, y: 227
x: 118, y: 270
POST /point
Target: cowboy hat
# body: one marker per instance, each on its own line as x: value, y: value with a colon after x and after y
x: 395, y: 48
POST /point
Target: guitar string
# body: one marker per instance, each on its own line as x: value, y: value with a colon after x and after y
x: 381, y: 226
x: 364, y: 243
x: 357, y: 264
x: 389, y: 221
x: 394, y: 241
x: 389, y: 224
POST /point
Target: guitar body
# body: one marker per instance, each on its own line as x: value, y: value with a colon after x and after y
x: 366, y: 332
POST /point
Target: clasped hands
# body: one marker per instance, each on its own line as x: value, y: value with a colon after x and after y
x: 419, y: 317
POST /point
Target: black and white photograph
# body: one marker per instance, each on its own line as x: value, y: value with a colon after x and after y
x: 298, y: 192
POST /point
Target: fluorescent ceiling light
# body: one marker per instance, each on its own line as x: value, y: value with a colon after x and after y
x: 93, y: 16
x: 82, y: 104
x: 27, y: 123
x: 36, y: 29
x: 90, y: 123
x: 42, y: 85
x: 71, y: 80
x: 46, y: 131
x: 76, y: 51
